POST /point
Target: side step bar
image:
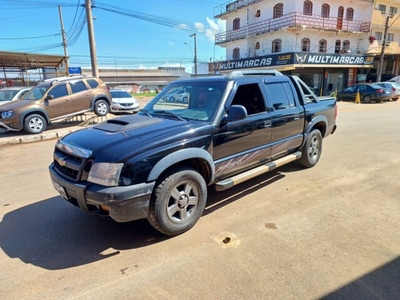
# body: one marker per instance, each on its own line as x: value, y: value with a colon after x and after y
x: 230, y: 182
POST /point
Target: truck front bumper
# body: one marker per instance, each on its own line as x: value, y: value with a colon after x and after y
x: 121, y: 203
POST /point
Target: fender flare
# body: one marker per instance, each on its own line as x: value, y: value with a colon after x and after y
x: 314, y: 121
x: 32, y: 111
x: 311, y: 125
x: 181, y: 155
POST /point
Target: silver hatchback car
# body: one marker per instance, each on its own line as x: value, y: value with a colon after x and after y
x: 393, y: 86
x: 122, y: 101
x: 12, y: 93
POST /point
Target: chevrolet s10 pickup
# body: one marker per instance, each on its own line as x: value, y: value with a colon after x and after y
x: 159, y: 163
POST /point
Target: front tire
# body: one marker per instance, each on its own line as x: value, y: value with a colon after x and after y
x: 178, y: 201
x: 101, y: 108
x: 367, y: 99
x: 35, y: 124
x: 312, y: 149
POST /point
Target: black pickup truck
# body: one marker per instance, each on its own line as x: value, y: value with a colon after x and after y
x: 158, y: 163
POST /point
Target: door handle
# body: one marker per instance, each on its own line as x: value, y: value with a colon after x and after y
x: 69, y: 100
x: 267, y: 124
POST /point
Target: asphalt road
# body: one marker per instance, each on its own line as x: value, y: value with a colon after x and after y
x: 330, y: 232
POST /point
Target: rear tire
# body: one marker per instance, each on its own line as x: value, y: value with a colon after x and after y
x: 101, y: 108
x: 35, y: 124
x: 312, y: 149
x: 178, y: 201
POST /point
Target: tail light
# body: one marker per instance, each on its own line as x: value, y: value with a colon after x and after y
x: 393, y: 89
x: 380, y: 91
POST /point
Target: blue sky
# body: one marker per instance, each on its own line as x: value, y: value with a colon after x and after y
x: 128, y: 34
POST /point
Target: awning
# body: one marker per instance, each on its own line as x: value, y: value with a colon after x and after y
x: 29, y: 60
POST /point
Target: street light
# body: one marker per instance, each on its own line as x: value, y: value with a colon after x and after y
x: 195, y: 52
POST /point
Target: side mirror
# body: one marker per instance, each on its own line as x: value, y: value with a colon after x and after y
x: 49, y: 97
x: 236, y: 113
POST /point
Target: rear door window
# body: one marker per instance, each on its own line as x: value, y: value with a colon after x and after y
x: 77, y: 86
x: 281, y: 96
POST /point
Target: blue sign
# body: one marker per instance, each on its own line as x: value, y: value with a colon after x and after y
x: 74, y: 70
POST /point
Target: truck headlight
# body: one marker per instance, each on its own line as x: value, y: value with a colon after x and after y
x: 6, y: 114
x: 106, y: 174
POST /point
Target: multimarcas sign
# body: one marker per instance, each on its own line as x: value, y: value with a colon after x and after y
x: 298, y: 58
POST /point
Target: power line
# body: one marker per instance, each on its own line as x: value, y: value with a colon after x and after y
x: 76, y: 12
x: 32, y: 37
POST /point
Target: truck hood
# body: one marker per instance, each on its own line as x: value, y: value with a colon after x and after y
x: 137, y: 133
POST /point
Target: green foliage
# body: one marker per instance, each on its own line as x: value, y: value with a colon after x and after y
x: 144, y: 95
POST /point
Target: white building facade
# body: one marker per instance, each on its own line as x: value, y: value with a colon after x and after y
x: 328, y: 44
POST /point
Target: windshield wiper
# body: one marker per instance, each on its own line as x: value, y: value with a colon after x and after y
x: 169, y: 114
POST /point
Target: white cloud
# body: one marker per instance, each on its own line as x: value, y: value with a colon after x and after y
x: 182, y: 26
x: 199, y: 26
x: 218, y: 26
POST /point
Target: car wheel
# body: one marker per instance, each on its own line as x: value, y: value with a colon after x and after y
x: 185, y: 100
x: 101, y: 108
x: 367, y: 99
x: 311, y: 152
x: 34, y: 124
x: 171, y: 99
x: 178, y: 201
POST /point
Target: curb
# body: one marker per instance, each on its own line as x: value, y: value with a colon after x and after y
x: 35, y: 138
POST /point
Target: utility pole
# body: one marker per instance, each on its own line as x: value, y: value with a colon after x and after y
x: 64, y: 41
x: 195, y: 53
x: 381, y: 58
x: 92, y: 44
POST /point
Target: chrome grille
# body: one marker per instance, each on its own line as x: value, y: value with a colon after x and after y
x: 70, y: 161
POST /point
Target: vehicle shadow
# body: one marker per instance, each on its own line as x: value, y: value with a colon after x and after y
x: 54, y: 235
x: 381, y: 283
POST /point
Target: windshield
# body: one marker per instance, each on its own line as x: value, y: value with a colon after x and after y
x: 187, y: 100
x: 120, y: 94
x: 7, y: 95
x: 38, y: 91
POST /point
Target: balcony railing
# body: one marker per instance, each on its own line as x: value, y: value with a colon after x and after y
x: 232, y: 6
x: 295, y: 19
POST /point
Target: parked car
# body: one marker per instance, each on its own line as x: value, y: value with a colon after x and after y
x: 177, y: 96
x: 12, y: 93
x: 122, y: 101
x: 368, y: 93
x: 56, y: 98
x: 393, y: 86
